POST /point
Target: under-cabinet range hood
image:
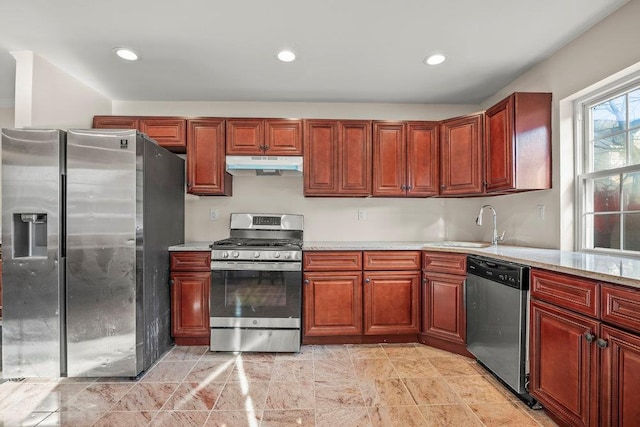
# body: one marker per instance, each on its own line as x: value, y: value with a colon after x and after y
x: 264, y: 165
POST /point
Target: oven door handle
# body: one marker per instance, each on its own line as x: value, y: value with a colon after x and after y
x: 255, y: 266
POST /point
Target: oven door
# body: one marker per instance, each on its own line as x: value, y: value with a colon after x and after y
x: 256, y: 294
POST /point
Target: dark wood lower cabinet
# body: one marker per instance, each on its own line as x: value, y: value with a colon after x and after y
x: 564, y: 363
x: 443, y: 310
x: 332, y: 303
x: 391, y: 302
x: 190, y: 305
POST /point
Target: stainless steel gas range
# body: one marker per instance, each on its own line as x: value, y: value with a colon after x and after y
x: 256, y: 284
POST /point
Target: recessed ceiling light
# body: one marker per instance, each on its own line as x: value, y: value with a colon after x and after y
x: 435, y: 59
x: 286, y: 56
x: 125, y: 53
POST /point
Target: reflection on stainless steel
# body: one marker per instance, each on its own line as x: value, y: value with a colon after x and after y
x: 124, y: 206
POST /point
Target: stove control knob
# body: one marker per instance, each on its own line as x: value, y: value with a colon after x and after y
x: 235, y: 254
x: 276, y: 254
x: 225, y: 254
x: 256, y: 254
x: 287, y: 255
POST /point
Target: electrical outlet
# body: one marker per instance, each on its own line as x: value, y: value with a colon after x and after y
x: 540, y: 212
x: 213, y: 214
x: 362, y: 214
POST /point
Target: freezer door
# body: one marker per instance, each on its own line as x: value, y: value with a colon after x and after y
x: 31, y: 274
x: 101, y: 253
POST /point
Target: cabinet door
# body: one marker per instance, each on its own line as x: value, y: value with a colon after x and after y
x: 332, y: 303
x: 564, y: 363
x: 354, y: 158
x: 283, y: 137
x: 389, y: 159
x: 461, y: 156
x: 190, y: 304
x: 620, y: 367
x: 499, y: 142
x: 422, y: 159
x: 391, y: 302
x: 443, y: 313
x: 245, y: 136
x: 115, y: 122
x: 206, y: 173
x: 320, y: 157
x: 169, y: 132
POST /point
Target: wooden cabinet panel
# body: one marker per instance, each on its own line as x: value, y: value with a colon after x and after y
x: 320, y: 158
x: 190, y: 261
x: 389, y: 159
x: 392, y: 260
x: 422, y: 159
x: 574, y: 293
x: 620, y: 400
x: 332, y: 261
x: 461, y: 156
x: 391, y: 302
x: 444, y: 262
x: 518, y: 143
x: 564, y: 363
x: 190, y: 304
x: 621, y: 307
x: 332, y: 303
x: 245, y: 136
x: 169, y: 132
x: 443, y: 310
x: 354, y: 158
x: 283, y: 137
x: 115, y: 122
x: 206, y: 174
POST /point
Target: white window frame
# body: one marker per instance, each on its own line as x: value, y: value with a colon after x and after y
x: 583, y: 155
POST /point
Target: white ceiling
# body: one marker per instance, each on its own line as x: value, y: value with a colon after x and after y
x: 348, y: 50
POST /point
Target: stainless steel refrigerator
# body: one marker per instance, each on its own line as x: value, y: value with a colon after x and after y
x: 87, y: 217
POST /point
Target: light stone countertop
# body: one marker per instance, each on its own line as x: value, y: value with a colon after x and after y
x: 609, y: 268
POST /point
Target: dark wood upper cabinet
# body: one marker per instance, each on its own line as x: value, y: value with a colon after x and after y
x: 389, y: 159
x: 422, y: 159
x: 206, y: 174
x: 168, y: 132
x: 461, y: 156
x: 517, y: 136
x: 337, y: 158
x: 273, y: 137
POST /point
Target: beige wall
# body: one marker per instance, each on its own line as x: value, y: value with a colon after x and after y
x: 7, y: 117
x: 325, y: 218
x: 608, y: 48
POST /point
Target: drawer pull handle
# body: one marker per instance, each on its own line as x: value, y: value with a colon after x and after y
x: 602, y: 343
x: 589, y: 337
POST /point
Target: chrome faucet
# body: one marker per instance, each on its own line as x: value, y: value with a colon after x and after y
x: 495, y: 239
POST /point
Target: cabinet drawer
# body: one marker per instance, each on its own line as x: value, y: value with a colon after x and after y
x: 392, y: 260
x: 332, y: 261
x: 168, y: 132
x: 444, y: 262
x: 571, y: 292
x: 621, y: 306
x: 190, y: 261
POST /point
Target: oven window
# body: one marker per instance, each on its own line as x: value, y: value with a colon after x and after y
x: 255, y: 293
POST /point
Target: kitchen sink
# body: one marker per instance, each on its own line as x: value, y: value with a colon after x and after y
x: 458, y: 244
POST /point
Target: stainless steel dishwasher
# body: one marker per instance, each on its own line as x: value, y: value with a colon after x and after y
x: 496, y: 299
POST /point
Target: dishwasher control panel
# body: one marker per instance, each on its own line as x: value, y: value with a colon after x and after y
x: 504, y: 272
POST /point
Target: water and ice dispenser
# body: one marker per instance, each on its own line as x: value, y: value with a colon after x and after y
x: 29, y: 235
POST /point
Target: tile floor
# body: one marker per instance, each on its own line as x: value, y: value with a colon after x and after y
x: 343, y: 385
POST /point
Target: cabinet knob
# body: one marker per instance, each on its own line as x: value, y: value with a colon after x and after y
x: 424, y: 281
x: 409, y: 188
x: 403, y: 187
x: 589, y: 337
x: 442, y: 187
x: 602, y: 343
x: 306, y: 282
x: 367, y: 280
x: 172, y: 282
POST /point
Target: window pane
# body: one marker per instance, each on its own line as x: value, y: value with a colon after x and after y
x: 609, y: 117
x: 632, y: 232
x: 606, y: 194
x: 610, y: 152
x: 634, y: 108
x: 631, y: 192
x: 635, y: 146
x: 606, y: 230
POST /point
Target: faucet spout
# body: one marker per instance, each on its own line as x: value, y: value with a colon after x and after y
x: 495, y: 239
